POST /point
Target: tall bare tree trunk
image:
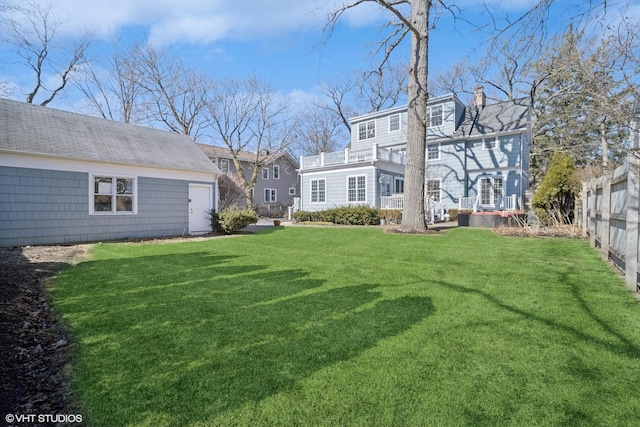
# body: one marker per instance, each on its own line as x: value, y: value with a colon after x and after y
x: 413, y: 216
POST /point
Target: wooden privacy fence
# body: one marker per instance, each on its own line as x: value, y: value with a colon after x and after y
x: 609, y: 216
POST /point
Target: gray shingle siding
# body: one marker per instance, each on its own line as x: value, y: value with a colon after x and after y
x: 52, y: 207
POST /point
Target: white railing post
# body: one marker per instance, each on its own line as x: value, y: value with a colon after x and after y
x: 346, y: 155
x: 375, y: 152
x: 322, y: 159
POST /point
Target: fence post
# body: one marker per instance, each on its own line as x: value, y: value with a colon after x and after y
x: 593, y: 210
x: 585, y: 208
x: 606, y: 215
x: 631, y: 253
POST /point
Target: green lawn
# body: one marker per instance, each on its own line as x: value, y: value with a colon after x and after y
x: 351, y: 326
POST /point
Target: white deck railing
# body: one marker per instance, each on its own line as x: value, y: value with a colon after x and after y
x: 347, y: 156
x: 392, y: 202
x: 509, y: 203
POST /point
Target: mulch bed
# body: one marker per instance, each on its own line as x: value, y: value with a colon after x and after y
x: 35, y: 352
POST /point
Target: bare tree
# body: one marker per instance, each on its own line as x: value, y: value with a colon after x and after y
x: 176, y: 96
x: 231, y: 191
x: 409, y: 17
x: 114, y: 90
x: 32, y: 30
x: 249, y: 117
x: 319, y: 130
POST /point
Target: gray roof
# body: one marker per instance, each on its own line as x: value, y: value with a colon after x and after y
x: 28, y: 128
x: 501, y: 117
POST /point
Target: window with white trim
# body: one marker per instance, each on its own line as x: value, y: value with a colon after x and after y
x: 489, y: 143
x: 265, y: 173
x: 491, y: 189
x: 270, y: 195
x: 394, y: 122
x: 276, y: 172
x: 318, y: 190
x: 398, y: 186
x: 224, y: 165
x: 357, y: 189
x: 113, y: 195
x: 433, y: 152
x: 366, y: 130
x: 435, y: 116
x: 434, y: 190
x: 292, y: 191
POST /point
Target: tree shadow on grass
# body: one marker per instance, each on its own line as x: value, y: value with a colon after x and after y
x: 186, y: 347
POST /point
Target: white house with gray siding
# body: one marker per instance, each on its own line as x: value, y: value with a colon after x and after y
x: 477, y: 157
x: 66, y: 177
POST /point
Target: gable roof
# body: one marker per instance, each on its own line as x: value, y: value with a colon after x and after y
x: 32, y: 129
x: 493, y: 118
x: 213, y: 152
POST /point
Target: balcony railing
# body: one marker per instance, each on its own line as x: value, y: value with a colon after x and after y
x: 392, y: 202
x: 509, y: 203
x: 347, y: 156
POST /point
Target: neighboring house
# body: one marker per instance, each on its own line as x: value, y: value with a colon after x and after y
x: 476, y: 157
x: 66, y: 177
x: 277, y: 184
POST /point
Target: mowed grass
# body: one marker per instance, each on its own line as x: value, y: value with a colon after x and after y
x: 351, y: 326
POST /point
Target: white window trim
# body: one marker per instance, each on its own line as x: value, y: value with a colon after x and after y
x: 222, y: 168
x: 276, y: 175
x: 430, y: 116
x: 311, y: 191
x: 134, y: 194
x: 399, y: 123
x: 432, y: 145
x: 356, y: 189
x: 367, y: 130
x: 492, y: 188
x: 396, y: 181
x: 273, y: 195
x: 265, y: 173
x: 292, y: 191
x: 439, y: 191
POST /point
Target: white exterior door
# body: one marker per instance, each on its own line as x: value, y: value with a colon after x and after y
x: 200, y: 203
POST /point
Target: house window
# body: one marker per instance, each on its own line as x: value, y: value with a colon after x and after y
x: 433, y: 190
x: 113, y: 195
x: 433, y: 152
x: 357, y: 189
x: 394, y: 122
x: 292, y: 191
x: 276, y: 172
x: 435, y: 116
x: 398, y: 185
x: 318, y: 190
x: 367, y: 130
x: 491, y: 190
x: 270, y: 195
x: 265, y: 173
x: 224, y: 165
x: 489, y: 143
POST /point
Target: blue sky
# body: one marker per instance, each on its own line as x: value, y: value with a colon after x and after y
x: 281, y: 41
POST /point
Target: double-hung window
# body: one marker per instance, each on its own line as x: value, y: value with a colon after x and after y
x: 270, y: 195
x: 276, y: 172
x: 357, y: 189
x: 433, y: 152
x: 394, y: 122
x: 433, y: 190
x: 318, y: 190
x: 366, y: 130
x: 435, y: 116
x: 224, y: 165
x: 113, y: 195
x: 398, y: 185
x: 265, y: 173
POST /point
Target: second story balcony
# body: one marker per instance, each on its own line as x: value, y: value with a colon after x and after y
x: 349, y: 156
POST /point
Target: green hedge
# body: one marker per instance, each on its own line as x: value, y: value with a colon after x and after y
x: 347, y: 215
x: 232, y: 220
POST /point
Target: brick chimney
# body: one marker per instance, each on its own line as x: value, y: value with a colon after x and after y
x: 479, y: 98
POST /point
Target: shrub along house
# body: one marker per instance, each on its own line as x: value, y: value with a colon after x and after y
x: 66, y: 177
x: 477, y: 157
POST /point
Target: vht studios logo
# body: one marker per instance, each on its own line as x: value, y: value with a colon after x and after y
x: 43, y: 418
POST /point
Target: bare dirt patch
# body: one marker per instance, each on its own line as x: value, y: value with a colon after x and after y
x: 34, y: 346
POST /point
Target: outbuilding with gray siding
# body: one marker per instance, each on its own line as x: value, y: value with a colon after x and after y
x: 67, y: 178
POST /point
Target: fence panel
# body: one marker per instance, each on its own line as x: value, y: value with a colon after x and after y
x: 610, y: 218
